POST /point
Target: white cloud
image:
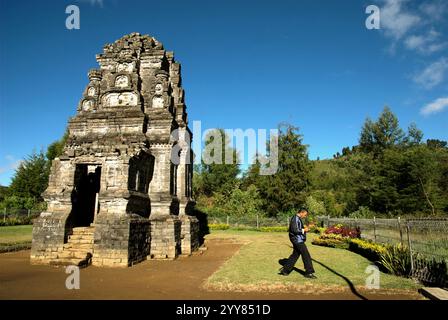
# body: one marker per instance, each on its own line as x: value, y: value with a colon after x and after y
x: 426, y: 44
x: 395, y: 20
x: 435, y: 106
x: 433, y: 74
x: 94, y: 2
x: 414, y: 26
x: 434, y: 10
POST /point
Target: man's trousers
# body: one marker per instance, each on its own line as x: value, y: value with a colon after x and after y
x: 299, y: 249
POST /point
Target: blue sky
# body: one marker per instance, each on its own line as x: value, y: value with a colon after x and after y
x: 245, y: 64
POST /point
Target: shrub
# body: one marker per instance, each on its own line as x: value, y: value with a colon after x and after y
x: 344, y: 231
x: 396, y: 260
x: 273, y: 229
x: 218, y: 226
x: 367, y: 249
x: 431, y: 270
x: 362, y: 213
x: 15, y: 221
x: 332, y: 241
x: 318, y: 230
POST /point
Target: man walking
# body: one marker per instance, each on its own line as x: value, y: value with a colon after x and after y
x: 297, y: 236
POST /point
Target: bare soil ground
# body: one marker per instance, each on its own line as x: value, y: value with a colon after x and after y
x: 156, y: 280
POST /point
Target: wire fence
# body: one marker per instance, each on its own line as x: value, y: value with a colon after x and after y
x: 250, y: 222
x: 426, y: 240
x: 13, y: 213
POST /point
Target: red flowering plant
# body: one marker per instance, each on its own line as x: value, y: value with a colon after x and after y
x: 344, y: 231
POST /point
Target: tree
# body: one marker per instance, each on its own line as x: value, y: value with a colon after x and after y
x: 435, y: 143
x: 387, y: 131
x: 367, y: 138
x: 415, y: 135
x: 55, y: 149
x: 382, y: 134
x: 315, y: 207
x: 31, y: 177
x: 218, y: 176
x: 241, y: 203
x: 287, y: 189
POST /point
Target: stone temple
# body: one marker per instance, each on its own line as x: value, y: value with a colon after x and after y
x: 121, y: 191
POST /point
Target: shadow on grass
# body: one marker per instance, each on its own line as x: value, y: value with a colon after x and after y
x: 349, y: 283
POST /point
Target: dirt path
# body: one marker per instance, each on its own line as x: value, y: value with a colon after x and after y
x: 178, y: 279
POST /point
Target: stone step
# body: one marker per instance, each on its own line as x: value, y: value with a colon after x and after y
x: 73, y: 255
x: 80, y: 241
x: 80, y: 237
x: 78, y: 246
x: 80, y: 250
x: 83, y: 230
x: 82, y: 234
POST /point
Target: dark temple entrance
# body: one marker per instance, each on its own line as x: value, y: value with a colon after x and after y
x: 85, y: 194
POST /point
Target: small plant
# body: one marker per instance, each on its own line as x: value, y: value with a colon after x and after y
x: 396, y: 260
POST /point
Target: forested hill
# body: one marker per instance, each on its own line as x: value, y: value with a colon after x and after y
x: 389, y: 172
x: 401, y: 180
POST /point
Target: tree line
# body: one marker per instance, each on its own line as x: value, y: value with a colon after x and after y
x: 389, y: 172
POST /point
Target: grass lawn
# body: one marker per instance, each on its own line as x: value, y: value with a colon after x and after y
x: 15, y: 237
x: 255, y: 266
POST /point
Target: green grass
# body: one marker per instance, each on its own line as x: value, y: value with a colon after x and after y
x: 15, y: 237
x: 256, y: 266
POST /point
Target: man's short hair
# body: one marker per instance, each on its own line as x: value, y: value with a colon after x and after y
x: 302, y: 210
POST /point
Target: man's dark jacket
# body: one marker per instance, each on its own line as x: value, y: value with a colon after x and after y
x: 295, y: 230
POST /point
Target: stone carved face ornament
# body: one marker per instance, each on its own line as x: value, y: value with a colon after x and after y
x: 159, y: 89
x: 122, y: 82
x: 91, y: 92
x: 157, y: 100
x: 125, y: 66
x: 120, y: 99
x: 87, y: 105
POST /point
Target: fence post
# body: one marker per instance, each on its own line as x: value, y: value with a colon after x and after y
x: 399, y: 229
x: 28, y: 213
x: 258, y: 225
x: 4, y: 214
x: 410, y: 247
x: 328, y: 220
x: 228, y: 221
x: 374, y: 229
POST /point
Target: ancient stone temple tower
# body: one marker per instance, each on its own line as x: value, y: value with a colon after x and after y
x: 121, y: 191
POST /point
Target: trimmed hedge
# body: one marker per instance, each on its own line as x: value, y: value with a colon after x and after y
x: 273, y: 229
x: 368, y: 249
x: 332, y: 241
x: 218, y: 226
x: 10, y: 247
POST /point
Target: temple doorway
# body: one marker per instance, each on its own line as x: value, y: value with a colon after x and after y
x: 85, y: 195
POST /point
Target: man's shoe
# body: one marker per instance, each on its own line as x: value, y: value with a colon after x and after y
x: 310, y: 276
x: 283, y: 272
